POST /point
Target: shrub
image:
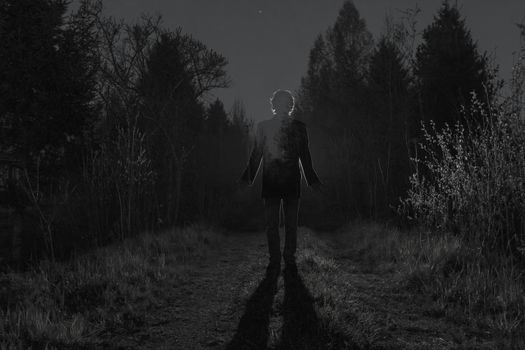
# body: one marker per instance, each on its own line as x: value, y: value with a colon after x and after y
x: 471, y: 180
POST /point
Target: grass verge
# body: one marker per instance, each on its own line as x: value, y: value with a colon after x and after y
x: 467, y: 289
x: 73, y: 304
x: 344, y: 321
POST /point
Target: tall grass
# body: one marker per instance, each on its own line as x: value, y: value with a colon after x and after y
x: 473, y: 182
x: 469, y: 195
x: 73, y: 303
x: 465, y: 286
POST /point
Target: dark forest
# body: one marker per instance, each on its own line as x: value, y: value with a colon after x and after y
x: 124, y: 225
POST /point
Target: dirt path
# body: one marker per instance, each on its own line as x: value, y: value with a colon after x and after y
x: 201, y: 308
x: 227, y: 301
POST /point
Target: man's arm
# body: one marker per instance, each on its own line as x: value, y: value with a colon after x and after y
x: 306, y: 159
x: 248, y: 176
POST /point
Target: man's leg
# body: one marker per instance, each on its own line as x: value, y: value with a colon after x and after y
x: 272, y: 207
x: 291, y: 211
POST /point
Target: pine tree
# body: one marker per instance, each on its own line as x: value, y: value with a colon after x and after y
x: 179, y: 70
x: 47, y: 79
x: 173, y: 117
x: 332, y: 101
x: 331, y: 93
x: 349, y: 43
x: 217, y: 119
x: 449, y: 68
x: 388, y: 85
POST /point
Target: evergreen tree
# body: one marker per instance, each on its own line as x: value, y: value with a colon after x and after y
x: 216, y: 138
x: 173, y: 118
x: 222, y: 153
x: 178, y: 71
x: 217, y: 119
x: 449, y: 67
x: 47, y: 79
x: 331, y: 93
x: 332, y: 100
x: 239, y: 118
x: 315, y: 96
x: 388, y: 85
x: 349, y: 44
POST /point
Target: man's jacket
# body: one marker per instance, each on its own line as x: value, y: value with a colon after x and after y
x: 280, y: 142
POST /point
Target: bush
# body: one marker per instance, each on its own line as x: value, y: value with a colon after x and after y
x: 472, y: 180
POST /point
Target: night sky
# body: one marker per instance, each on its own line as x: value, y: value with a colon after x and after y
x: 267, y: 41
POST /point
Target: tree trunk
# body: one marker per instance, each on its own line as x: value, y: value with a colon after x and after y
x: 178, y: 186
x: 169, y: 195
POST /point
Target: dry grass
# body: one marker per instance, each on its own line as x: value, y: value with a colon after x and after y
x: 72, y: 304
x: 467, y: 286
x: 343, y: 319
x: 460, y: 290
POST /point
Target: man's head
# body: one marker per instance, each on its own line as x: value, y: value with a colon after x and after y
x: 282, y: 102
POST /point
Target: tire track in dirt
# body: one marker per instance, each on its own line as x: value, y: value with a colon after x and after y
x: 207, y: 307
x: 202, y: 308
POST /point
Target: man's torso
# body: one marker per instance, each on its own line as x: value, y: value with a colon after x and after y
x: 281, y: 142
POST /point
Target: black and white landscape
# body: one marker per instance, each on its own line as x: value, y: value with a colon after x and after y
x: 299, y: 174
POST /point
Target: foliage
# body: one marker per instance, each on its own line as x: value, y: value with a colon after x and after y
x: 471, y: 179
x: 151, y: 85
x: 357, y: 99
x: 179, y: 72
x: 106, y: 115
x: 47, y: 81
x: 391, y: 124
x: 461, y: 284
x: 449, y: 67
x: 48, y: 66
x: 474, y: 184
x: 336, y: 73
x: 222, y: 153
x: 332, y: 102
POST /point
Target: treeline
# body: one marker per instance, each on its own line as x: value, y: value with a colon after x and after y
x: 111, y: 126
x: 365, y: 100
x: 116, y: 132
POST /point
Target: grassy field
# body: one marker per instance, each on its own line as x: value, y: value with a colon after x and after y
x: 464, y: 289
x: 365, y: 286
x: 72, y: 305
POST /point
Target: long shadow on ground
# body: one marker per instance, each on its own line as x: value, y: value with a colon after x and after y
x: 301, y: 328
x: 252, y: 332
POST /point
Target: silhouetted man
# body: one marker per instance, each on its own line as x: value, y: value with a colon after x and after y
x: 281, y: 143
